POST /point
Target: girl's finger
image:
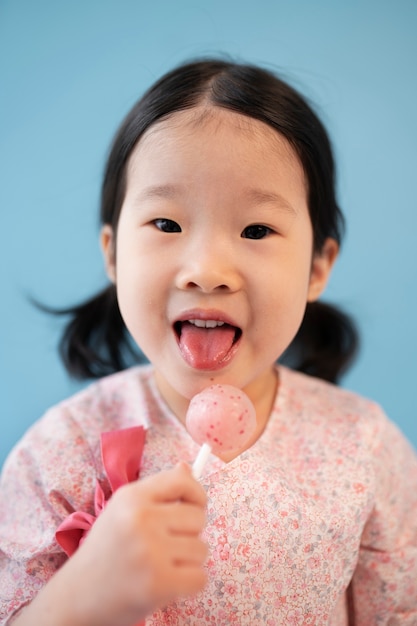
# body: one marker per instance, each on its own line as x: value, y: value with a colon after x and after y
x: 187, y: 552
x: 173, y: 485
x: 184, y: 519
x: 186, y: 580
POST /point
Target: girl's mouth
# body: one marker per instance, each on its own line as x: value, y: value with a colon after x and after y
x: 207, y: 344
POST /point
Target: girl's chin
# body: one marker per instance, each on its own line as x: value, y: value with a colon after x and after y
x: 193, y: 381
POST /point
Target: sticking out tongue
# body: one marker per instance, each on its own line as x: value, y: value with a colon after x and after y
x: 206, y: 348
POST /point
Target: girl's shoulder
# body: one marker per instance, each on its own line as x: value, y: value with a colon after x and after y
x: 334, y: 423
x: 305, y: 389
x: 320, y: 404
x: 112, y: 403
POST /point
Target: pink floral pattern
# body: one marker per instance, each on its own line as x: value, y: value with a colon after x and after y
x: 316, y: 521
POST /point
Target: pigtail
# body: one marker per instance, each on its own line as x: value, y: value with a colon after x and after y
x: 95, y: 341
x: 326, y: 343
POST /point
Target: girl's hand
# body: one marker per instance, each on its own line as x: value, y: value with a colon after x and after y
x: 143, y: 552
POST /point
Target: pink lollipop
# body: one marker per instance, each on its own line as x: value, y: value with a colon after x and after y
x: 221, y: 418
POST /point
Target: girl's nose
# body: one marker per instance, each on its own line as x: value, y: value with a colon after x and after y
x: 209, y: 267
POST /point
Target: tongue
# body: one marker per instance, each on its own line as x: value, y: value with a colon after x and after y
x: 206, y: 348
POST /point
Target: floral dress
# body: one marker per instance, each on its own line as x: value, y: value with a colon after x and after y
x: 316, y: 523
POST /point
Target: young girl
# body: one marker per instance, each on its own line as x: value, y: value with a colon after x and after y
x: 220, y: 230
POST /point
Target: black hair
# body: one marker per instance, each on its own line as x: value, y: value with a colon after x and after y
x: 96, y: 342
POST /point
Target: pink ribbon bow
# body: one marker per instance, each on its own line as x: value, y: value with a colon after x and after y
x: 121, y: 452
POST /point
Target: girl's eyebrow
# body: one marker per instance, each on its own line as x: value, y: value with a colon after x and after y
x: 261, y: 196
x: 159, y: 191
x: 254, y: 195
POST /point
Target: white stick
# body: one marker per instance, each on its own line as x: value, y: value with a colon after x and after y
x: 201, y: 460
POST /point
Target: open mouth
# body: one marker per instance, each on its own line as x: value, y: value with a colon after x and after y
x: 207, y: 344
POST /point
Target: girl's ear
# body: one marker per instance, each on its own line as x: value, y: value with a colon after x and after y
x: 108, y: 248
x: 321, y: 268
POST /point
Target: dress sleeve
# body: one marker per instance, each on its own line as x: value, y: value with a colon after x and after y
x: 385, y: 580
x: 50, y: 473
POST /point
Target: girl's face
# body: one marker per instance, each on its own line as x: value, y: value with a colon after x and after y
x: 213, y: 259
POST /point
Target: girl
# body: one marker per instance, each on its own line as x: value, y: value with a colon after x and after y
x: 220, y: 230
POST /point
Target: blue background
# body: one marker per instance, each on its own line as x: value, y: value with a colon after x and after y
x: 69, y: 71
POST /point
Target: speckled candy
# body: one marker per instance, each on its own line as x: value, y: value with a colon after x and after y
x: 221, y: 416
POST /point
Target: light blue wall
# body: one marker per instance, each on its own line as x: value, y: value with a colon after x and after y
x: 69, y: 71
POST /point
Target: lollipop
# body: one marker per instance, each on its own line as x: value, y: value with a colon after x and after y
x: 221, y: 418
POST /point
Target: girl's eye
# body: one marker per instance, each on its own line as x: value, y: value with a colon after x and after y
x: 167, y: 226
x: 256, y: 231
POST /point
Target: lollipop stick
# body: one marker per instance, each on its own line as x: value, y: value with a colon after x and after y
x: 201, y: 460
